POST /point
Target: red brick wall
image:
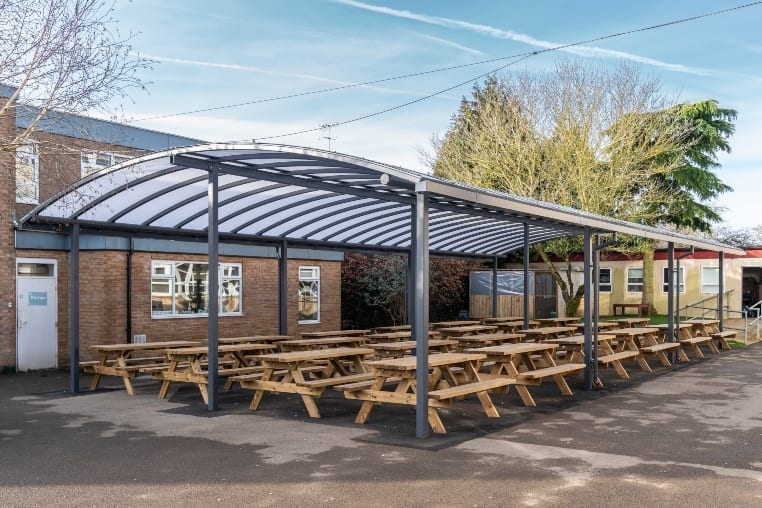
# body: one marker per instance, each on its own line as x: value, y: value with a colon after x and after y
x: 103, y: 300
x: 7, y: 258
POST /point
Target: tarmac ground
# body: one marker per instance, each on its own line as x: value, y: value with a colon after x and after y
x: 686, y: 436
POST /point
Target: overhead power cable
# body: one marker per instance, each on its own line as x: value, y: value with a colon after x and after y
x: 522, y: 56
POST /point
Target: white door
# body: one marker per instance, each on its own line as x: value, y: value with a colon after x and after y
x: 36, y: 314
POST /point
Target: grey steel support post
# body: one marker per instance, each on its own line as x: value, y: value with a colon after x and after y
x: 526, y: 276
x: 74, y: 309
x: 212, y: 287
x: 494, y: 287
x: 283, y: 289
x: 721, y: 291
x: 596, y: 298
x: 409, y: 281
x: 671, y: 288
x: 420, y: 321
x: 587, y: 263
x: 594, y: 305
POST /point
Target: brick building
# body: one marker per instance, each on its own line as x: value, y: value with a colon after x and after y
x: 152, y: 288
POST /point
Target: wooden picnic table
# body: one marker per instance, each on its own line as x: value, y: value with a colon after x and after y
x: 266, y: 339
x: 450, y: 375
x: 642, y: 308
x: 321, y: 343
x: 401, y: 348
x: 294, y: 372
x: 503, y: 319
x: 684, y: 330
x: 394, y: 336
x: 704, y: 327
x: 449, y: 324
x: 602, y: 326
x: 517, y: 363
x: 573, y: 346
x: 488, y: 339
x: 189, y: 365
x: 514, y: 326
x: 119, y: 360
x: 632, y: 322
x: 459, y: 331
x: 558, y: 321
x: 391, y: 328
x: 334, y: 333
x: 646, y: 342
x: 546, y: 332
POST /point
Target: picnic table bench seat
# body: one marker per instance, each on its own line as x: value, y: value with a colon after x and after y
x: 617, y: 357
x: 615, y: 360
x: 658, y: 350
x: 472, y: 387
x: 363, y: 385
x: 554, y: 370
x: 693, y: 344
x: 333, y: 381
x: 721, y: 337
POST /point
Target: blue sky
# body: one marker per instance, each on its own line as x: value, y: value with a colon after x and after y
x: 215, y: 54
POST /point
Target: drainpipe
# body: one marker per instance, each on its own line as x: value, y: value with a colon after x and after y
x: 129, y: 289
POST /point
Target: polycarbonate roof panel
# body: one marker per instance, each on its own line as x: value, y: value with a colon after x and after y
x: 313, y: 197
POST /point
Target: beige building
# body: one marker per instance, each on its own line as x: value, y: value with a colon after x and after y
x: 621, y: 280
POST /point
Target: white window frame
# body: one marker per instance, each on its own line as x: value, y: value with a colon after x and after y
x: 605, y: 287
x: 632, y: 283
x: 704, y: 284
x: 309, y: 274
x: 29, y: 153
x: 664, y: 282
x: 89, y: 161
x: 224, y: 274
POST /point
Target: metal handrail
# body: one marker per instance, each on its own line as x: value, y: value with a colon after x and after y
x: 704, y: 309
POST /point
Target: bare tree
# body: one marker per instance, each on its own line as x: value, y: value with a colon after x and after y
x: 62, y: 56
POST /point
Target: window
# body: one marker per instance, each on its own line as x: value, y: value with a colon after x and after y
x: 181, y: 288
x: 634, y: 280
x: 28, y: 174
x: 604, y: 280
x: 309, y: 294
x: 665, y: 280
x: 95, y: 161
x: 710, y: 279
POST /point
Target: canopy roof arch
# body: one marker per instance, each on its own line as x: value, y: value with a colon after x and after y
x: 315, y: 198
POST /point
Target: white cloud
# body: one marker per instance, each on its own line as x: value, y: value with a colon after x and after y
x: 586, y: 51
x: 449, y: 43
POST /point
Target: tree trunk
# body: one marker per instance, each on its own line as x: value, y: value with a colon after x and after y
x: 648, y: 275
x: 572, y: 297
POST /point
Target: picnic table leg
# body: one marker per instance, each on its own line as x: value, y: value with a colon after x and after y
x: 128, y: 384
x: 436, y: 422
x: 164, y: 389
x: 683, y: 355
x: 697, y: 351
x: 256, y: 400
x: 512, y: 371
x: 487, y: 404
x: 367, y: 406
x: 663, y: 358
x: 97, y: 379
x: 309, y: 400
x: 620, y: 370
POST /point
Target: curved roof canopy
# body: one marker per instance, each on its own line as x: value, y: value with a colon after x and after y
x: 314, y: 198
